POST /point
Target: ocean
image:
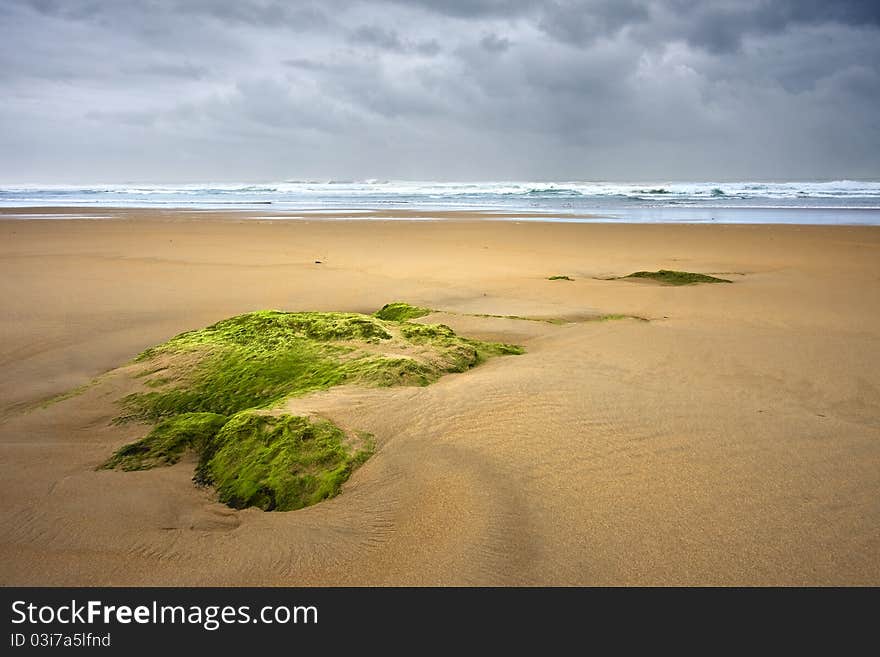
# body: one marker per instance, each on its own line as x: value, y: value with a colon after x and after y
x: 824, y: 202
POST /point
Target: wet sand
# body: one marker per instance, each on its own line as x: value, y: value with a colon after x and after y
x: 732, y: 439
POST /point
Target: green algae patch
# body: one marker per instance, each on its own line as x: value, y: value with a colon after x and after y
x: 546, y: 320
x: 458, y: 354
x: 225, y: 377
x: 398, y: 311
x: 671, y: 277
x: 261, y: 358
x: 279, y: 463
x: 616, y: 316
x: 560, y: 277
x: 553, y: 320
x: 168, y: 441
x: 235, y: 369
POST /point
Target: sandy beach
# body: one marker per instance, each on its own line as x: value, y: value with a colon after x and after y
x: 732, y: 439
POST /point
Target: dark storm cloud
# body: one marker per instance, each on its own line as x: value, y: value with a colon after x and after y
x: 718, y: 26
x: 721, y: 27
x: 256, y: 89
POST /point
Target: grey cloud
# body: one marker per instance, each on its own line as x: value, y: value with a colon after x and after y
x: 580, y: 21
x: 71, y: 10
x: 376, y: 36
x: 184, y: 70
x: 849, y: 12
x: 304, y: 63
x: 429, y: 47
x: 131, y: 118
x: 266, y: 13
x: 474, y: 8
x: 494, y: 43
x: 721, y: 27
x: 718, y: 26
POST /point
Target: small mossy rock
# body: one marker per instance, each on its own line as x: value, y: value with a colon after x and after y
x: 671, y: 277
x: 398, y: 311
x: 279, y: 463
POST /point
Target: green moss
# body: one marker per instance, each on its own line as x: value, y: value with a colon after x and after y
x: 670, y: 277
x: 560, y: 278
x: 423, y: 333
x: 168, y: 441
x: 279, y: 463
x: 557, y: 321
x: 385, y: 371
x: 489, y: 349
x: 255, y: 360
x: 267, y: 329
x: 398, y: 311
x: 70, y: 394
x: 261, y: 358
x: 158, y: 382
x: 614, y: 316
x: 226, y: 378
x: 546, y: 320
x: 459, y: 353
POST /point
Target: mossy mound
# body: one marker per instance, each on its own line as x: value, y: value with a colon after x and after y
x: 259, y: 358
x: 204, y: 385
x: 671, y: 277
x: 398, y: 311
x: 560, y: 278
x: 279, y: 463
x: 168, y: 441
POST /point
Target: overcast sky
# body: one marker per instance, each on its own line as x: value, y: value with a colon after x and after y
x: 196, y: 90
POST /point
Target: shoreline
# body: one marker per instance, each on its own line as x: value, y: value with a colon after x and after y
x: 99, y: 212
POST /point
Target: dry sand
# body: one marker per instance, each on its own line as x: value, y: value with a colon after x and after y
x: 733, y: 439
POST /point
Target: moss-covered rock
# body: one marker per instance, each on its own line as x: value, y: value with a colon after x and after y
x: 260, y: 358
x: 279, y: 463
x: 168, y: 441
x: 399, y: 311
x: 672, y: 277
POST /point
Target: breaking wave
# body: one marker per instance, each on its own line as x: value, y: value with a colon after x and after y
x: 564, y: 197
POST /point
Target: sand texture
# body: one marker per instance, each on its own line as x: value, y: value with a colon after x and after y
x: 732, y: 439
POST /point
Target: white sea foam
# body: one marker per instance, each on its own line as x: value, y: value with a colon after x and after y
x: 560, y: 198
